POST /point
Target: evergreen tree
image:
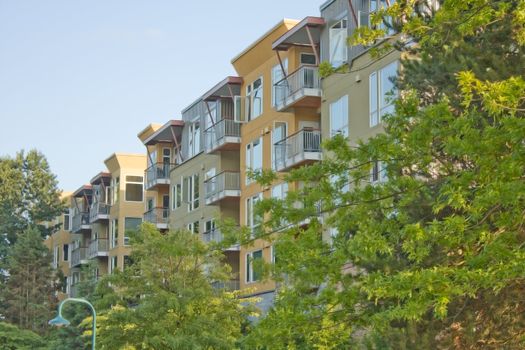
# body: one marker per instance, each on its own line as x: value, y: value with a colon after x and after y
x: 28, y: 292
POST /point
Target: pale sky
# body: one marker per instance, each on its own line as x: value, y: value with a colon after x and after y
x: 79, y: 79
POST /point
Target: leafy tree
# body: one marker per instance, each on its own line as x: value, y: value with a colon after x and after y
x: 28, y: 197
x: 165, y: 300
x: 432, y: 258
x: 14, y: 338
x: 28, y: 293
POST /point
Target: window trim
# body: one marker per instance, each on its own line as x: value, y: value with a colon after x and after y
x: 249, y: 275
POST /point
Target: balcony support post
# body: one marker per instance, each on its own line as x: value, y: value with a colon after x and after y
x: 177, y: 146
x: 352, y: 9
x: 281, y: 64
x: 312, y: 44
x: 209, y: 113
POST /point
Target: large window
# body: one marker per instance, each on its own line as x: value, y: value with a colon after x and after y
x: 338, y: 47
x: 65, y: 252
x: 191, y: 186
x: 177, y: 196
x: 194, y: 227
x: 382, y: 92
x: 254, y: 94
x: 254, y: 156
x: 194, y: 139
x: 278, y: 151
x: 252, y: 274
x: 253, y: 220
x: 130, y: 224
x: 339, y: 117
x: 114, y: 233
x: 280, y: 191
x: 134, y: 188
x: 278, y: 75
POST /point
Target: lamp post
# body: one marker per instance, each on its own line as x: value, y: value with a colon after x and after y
x: 61, y: 321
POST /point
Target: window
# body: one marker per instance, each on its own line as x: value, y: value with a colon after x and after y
x: 194, y: 227
x: 128, y: 261
x: 65, y: 287
x: 280, y: 191
x: 279, y: 92
x: 114, y: 233
x: 308, y: 58
x: 254, y: 99
x: 65, y: 252
x: 194, y: 139
x: 338, y: 47
x: 113, y: 264
x: 254, y: 156
x: 211, y: 186
x: 67, y: 220
x: 209, y: 226
x: 116, y: 189
x: 134, y: 188
x: 382, y: 92
x: 177, y: 196
x: 278, y: 150
x: 251, y: 274
x: 191, y: 186
x: 130, y: 224
x: 55, y: 257
x: 339, y: 117
x: 378, y: 172
x: 253, y: 220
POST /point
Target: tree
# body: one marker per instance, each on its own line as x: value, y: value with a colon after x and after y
x: 432, y: 258
x: 13, y: 338
x: 165, y: 300
x: 28, y: 292
x: 28, y: 197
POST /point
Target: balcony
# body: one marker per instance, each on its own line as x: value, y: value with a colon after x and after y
x: 80, y: 222
x: 98, y: 247
x: 301, y: 148
x: 158, y: 174
x: 216, y: 236
x: 78, y: 256
x: 225, y: 185
x: 230, y: 285
x: 301, y: 88
x: 160, y: 217
x: 224, y: 135
x: 99, y: 211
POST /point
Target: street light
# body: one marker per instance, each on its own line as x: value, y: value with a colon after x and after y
x: 61, y: 321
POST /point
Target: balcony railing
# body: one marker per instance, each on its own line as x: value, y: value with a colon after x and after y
x: 227, y: 285
x: 99, y: 211
x: 302, y: 147
x: 225, y: 134
x: 80, y: 222
x: 98, y: 247
x: 216, y: 236
x: 158, y: 216
x: 224, y: 185
x: 158, y: 174
x: 78, y: 256
x: 301, y: 88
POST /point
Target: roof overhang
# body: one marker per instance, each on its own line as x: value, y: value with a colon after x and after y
x: 101, y: 177
x: 85, y: 190
x: 165, y: 133
x: 222, y: 89
x: 298, y: 35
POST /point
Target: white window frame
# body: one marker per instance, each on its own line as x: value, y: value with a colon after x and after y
x: 133, y: 183
x: 250, y: 157
x: 379, y: 102
x: 339, y: 109
x: 249, y: 212
x: 252, y: 94
x: 113, y: 241
x: 337, y: 39
x: 249, y: 277
x: 277, y: 75
x: 192, y: 225
x: 177, y: 196
x: 378, y: 172
x: 193, y: 200
x: 55, y: 256
x: 194, y: 138
x: 274, y: 141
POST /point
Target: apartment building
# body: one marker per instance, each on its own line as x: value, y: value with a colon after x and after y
x: 279, y: 111
x: 59, y: 244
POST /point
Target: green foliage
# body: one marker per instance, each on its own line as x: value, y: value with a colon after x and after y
x: 326, y: 69
x: 28, y: 290
x: 432, y: 258
x: 14, y: 338
x: 165, y: 299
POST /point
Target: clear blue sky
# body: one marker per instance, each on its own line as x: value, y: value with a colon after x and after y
x: 79, y: 79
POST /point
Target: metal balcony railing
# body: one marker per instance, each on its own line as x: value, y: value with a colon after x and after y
x: 99, y: 211
x: 227, y: 285
x: 212, y: 236
x: 225, y: 184
x: 158, y: 216
x: 80, y: 222
x: 98, y: 247
x: 78, y: 256
x: 302, y: 83
x: 158, y: 173
x: 296, y: 149
x: 224, y: 132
